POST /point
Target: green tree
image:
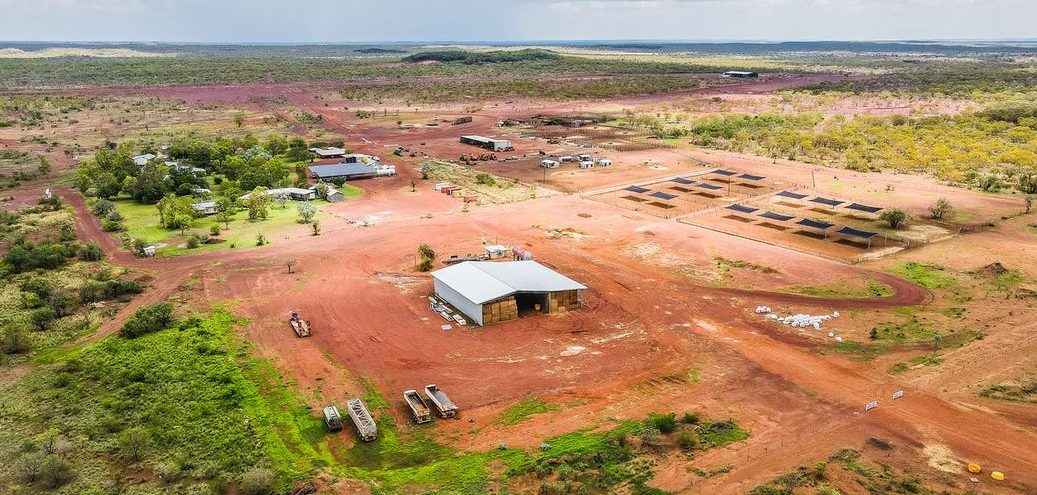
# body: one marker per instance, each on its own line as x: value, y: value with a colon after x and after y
x: 175, y: 212
x: 307, y: 211
x: 15, y: 340
x: 134, y: 442
x: 895, y: 217
x: 42, y: 318
x: 226, y: 208
x: 426, y: 252
x: 43, y: 166
x: 151, y: 184
x: 239, y: 119
x: 276, y: 144
x: 258, y: 203
x: 108, y: 186
x: 148, y: 319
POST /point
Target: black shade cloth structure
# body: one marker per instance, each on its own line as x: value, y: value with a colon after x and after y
x: 637, y: 189
x: 864, y: 208
x: 682, y: 180
x: 711, y: 187
x: 792, y: 195
x: 815, y: 224
x: 721, y: 171
x: 863, y: 234
x: 776, y: 216
x: 826, y: 201
x: 741, y: 208
x: 751, y: 177
x: 662, y: 195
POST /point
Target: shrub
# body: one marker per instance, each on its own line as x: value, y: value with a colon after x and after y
x: 257, y: 481
x: 25, y: 256
x: 112, y: 226
x: 426, y: 252
x: 148, y: 319
x: 133, y: 442
x: 485, y: 179
x: 55, y: 471
x: 102, y: 208
x: 425, y: 264
x: 941, y: 208
x: 214, y: 229
x: 115, y: 216
x: 687, y: 440
x: 43, y: 317
x: 895, y: 217
x: 91, y: 252
x: 15, y: 341
x: 665, y: 423
x: 192, y: 242
x: 691, y: 418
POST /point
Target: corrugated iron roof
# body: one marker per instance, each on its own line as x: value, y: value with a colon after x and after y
x: 485, y: 281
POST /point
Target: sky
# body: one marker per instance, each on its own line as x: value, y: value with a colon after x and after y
x: 314, y: 21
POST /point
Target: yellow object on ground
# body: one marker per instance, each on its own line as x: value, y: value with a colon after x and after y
x: 974, y: 468
x: 998, y: 475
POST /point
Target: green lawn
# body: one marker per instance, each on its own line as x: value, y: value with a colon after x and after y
x: 142, y: 222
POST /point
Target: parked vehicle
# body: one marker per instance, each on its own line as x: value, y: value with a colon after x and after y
x: 444, y: 406
x: 362, y: 420
x: 418, y: 408
x: 332, y: 419
x: 299, y: 325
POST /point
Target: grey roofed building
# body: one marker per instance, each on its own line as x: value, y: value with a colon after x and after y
x: 470, y: 285
x: 343, y: 170
x: 206, y: 207
x: 330, y: 152
x: 296, y: 193
x: 141, y: 160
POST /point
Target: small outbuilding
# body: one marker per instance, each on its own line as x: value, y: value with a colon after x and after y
x: 488, y: 143
x: 206, y: 207
x: 548, y: 164
x: 742, y: 74
x: 328, y: 152
x: 490, y: 292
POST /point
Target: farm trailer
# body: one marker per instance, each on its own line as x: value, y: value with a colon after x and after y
x: 444, y: 406
x: 418, y: 409
x: 299, y: 325
x: 362, y: 420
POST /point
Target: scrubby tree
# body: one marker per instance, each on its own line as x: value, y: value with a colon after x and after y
x: 148, y: 319
x: 1028, y: 202
x: 895, y: 217
x: 1027, y: 183
x: 133, y: 443
x: 226, y: 208
x: 55, y: 471
x: 175, y: 212
x: 940, y: 209
x: 257, y: 204
x: 43, y: 317
x: 426, y: 252
x: 306, y: 212
x: 15, y: 340
x: 276, y: 144
x: 151, y: 184
x: 43, y: 166
x: 316, y: 227
x: 322, y: 189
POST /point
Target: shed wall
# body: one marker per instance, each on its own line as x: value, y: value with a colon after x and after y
x: 469, y: 308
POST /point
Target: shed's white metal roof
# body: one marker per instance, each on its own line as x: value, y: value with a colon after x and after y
x: 484, y: 281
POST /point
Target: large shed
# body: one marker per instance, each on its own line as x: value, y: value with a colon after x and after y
x: 490, y: 292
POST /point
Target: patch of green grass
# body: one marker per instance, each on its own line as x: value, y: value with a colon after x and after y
x: 1023, y: 390
x: 522, y: 411
x: 874, y: 289
x: 142, y: 222
x: 927, y: 275
x: 1008, y: 281
x: 954, y: 312
x: 861, y: 351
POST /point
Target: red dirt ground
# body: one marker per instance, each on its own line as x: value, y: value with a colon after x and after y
x: 651, y: 316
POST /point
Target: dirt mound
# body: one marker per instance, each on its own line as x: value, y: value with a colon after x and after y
x: 993, y: 270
